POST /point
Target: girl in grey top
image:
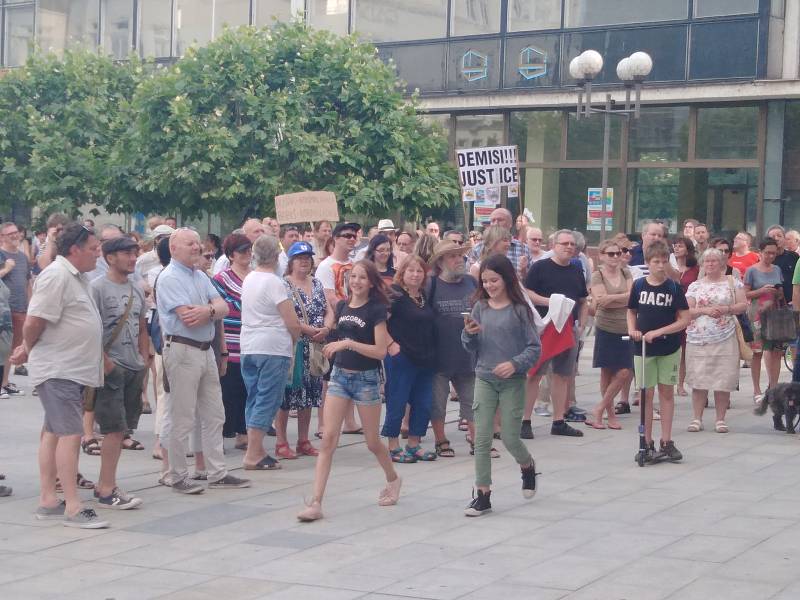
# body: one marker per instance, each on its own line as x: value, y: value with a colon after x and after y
x: 500, y: 331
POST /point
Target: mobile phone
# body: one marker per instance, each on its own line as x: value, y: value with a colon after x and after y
x: 466, y: 314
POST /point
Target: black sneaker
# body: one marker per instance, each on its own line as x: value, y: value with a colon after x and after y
x: 229, y: 482
x: 574, y: 416
x: 651, y: 455
x: 480, y: 505
x: 13, y: 390
x: 529, y: 480
x: 187, y: 487
x: 561, y: 428
x: 526, y: 431
x: 670, y: 452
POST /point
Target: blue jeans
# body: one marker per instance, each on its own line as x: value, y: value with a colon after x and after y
x: 406, y: 383
x: 265, y: 379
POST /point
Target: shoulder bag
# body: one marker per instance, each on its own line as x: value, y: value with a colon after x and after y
x: 318, y: 365
x: 90, y: 393
x: 745, y: 351
x: 779, y: 323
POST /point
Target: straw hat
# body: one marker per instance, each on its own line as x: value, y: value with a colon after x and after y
x: 447, y: 247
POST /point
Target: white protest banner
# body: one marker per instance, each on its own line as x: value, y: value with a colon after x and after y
x: 491, y: 167
x: 305, y: 207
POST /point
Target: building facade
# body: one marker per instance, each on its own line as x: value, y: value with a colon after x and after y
x: 719, y: 134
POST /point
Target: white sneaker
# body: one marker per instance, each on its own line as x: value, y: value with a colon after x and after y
x: 4, y: 395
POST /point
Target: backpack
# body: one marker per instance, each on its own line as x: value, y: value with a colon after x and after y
x: 154, y: 326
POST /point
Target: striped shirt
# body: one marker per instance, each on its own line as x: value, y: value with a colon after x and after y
x: 230, y: 288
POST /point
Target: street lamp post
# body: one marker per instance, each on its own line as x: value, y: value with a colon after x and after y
x: 632, y: 71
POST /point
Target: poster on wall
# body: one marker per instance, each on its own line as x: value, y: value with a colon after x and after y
x: 594, y: 209
x: 488, y: 168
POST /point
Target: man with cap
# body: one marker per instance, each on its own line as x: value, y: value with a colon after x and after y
x: 149, y: 260
x: 450, y: 291
x: 126, y: 354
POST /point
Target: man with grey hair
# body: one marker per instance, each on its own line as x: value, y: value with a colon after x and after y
x: 188, y: 307
x: 786, y: 260
x: 518, y: 252
x: 546, y: 278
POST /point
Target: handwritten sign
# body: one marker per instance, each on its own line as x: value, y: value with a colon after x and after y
x: 304, y: 207
x: 491, y: 167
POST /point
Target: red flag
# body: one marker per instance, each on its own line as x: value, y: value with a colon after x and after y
x: 554, y: 343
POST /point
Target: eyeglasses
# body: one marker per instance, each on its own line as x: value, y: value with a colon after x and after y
x: 347, y: 236
x: 626, y: 250
x: 208, y: 255
x: 614, y: 254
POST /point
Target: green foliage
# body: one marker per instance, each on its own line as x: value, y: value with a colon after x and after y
x: 258, y: 113
x: 58, y: 121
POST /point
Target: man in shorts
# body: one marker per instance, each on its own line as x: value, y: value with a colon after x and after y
x: 118, y: 404
x: 61, y: 341
x: 658, y: 311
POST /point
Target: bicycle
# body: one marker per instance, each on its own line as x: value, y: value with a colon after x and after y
x: 789, y: 356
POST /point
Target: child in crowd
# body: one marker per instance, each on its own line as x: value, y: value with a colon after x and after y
x: 500, y: 331
x: 658, y: 311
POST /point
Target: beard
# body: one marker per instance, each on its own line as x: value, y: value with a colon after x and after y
x: 454, y: 274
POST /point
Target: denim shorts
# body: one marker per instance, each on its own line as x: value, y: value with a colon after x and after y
x: 265, y: 378
x: 362, y: 387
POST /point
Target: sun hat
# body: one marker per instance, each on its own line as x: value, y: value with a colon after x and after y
x: 448, y: 247
x: 386, y: 225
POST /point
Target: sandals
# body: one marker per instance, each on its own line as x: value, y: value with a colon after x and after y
x: 695, y: 425
x: 283, y: 451
x: 420, y: 454
x: 492, y: 451
x: 622, y: 408
x: 147, y: 409
x: 306, y: 449
x: 80, y: 481
x: 463, y: 425
x: 132, y: 444
x: 444, y: 449
x: 265, y: 464
x: 91, y: 446
x: 721, y: 427
x: 399, y: 455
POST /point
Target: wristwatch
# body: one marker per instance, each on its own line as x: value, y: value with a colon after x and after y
x: 212, y: 311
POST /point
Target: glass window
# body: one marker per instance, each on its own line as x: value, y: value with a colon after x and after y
x: 791, y: 162
x: 332, y: 15
x: 727, y: 132
x: 537, y: 134
x: 18, y: 34
x: 585, y: 137
x: 528, y: 15
x: 62, y: 22
x: 474, y: 65
x: 667, y: 46
x: 269, y: 10
x: 661, y: 134
x: 726, y: 49
x: 587, y: 13
x: 192, y: 24
x: 422, y: 67
x: 392, y: 21
x: 117, y: 27
x: 230, y: 13
x: 474, y: 17
x: 155, y: 28
x: 532, y: 61
x: 714, y: 8
x: 479, y: 131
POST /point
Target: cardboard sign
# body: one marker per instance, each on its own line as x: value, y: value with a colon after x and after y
x: 488, y: 167
x: 305, y: 207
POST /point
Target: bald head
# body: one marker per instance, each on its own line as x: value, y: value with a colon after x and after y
x: 253, y: 229
x: 501, y: 217
x: 184, y: 245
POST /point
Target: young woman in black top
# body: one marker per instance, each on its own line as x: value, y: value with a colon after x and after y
x: 360, y: 323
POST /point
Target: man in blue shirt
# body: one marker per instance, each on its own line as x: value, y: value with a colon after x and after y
x: 188, y: 305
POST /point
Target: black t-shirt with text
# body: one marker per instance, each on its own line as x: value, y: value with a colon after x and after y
x: 547, y: 277
x: 786, y: 263
x: 358, y: 324
x: 657, y: 306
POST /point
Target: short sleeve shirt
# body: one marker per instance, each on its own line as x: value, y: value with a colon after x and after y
x: 335, y: 275
x: 17, y: 280
x: 112, y: 299
x: 263, y: 328
x: 705, y: 329
x: 547, y: 277
x: 657, y: 306
x: 70, y: 346
x: 358, y: 324
x: 178, y: 285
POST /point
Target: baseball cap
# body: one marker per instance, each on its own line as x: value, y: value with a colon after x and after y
x: 299, y: 248
x: 120, y: 244
x: 345, y: 227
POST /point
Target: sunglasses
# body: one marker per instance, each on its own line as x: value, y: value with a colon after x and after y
x: 626, y: 250
x: 347, y: 236
x: 614, y: 254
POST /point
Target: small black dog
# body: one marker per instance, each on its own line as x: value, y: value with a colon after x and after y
x: 784, y: 400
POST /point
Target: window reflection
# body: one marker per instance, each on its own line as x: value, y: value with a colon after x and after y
x: 17, y: 34
x: 332, y: 15
x: 727, y: 132
x: 474, y: 17
x: 585, y: 138
x: 585, y: 13
x: 62, y: 22
x: 154, y: 36
x: 527, y: 15
x: 230, y: 13
x: 661, y: 134
x: 267, y: 11
x: 117, y: 31
x: 537, y: 134
x: 713, y: 8
x: 192, y: 24
x: 392, y: 21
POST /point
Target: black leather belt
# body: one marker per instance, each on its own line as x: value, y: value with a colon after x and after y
x: 179, y: 339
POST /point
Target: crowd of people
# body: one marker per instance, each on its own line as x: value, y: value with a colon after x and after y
x: 239, y: 337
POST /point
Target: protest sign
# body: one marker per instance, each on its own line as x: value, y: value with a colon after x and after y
x: 491, y: 167
x: 304, y: 207
x: 594, y: 210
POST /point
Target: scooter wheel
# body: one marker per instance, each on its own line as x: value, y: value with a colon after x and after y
x: 640, y: 459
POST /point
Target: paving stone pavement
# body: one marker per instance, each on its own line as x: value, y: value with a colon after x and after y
x: 722, y: 524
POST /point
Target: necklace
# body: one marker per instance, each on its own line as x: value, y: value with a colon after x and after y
x: 418, y: 300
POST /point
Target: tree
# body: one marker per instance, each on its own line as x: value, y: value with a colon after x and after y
x: 260, y: 112
x: 58, y: 123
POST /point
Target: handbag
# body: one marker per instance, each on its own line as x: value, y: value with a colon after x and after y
x: 745, y: 351
x: 779, y: 323
x: 318, y: 365
x: 89, y: 392
x: 294, y: 378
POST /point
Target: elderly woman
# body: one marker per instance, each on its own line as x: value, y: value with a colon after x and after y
x: 712, y: 348
x: 269, y: 331
x: 611, y: 288
x: 763, y: 284
x: 316, y: 319
x: 238, y: 248
x: 496, y: 240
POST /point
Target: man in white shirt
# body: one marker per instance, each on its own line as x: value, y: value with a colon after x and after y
x: 289, y: 235
x: 149, y: 260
